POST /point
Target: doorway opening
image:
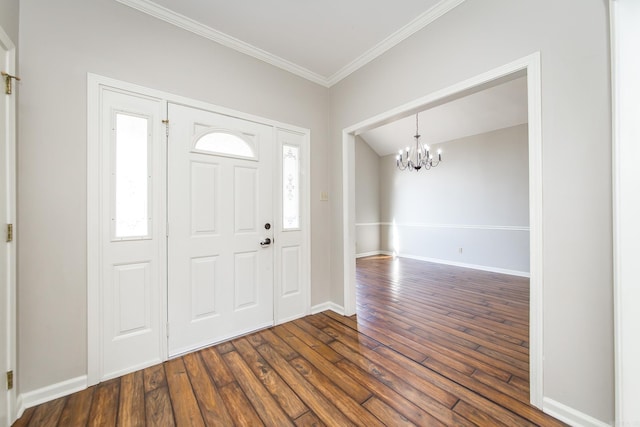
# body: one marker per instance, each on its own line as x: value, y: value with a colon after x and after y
x: 529, y: 67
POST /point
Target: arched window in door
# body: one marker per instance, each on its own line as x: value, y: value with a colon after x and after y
x: 222, y: 142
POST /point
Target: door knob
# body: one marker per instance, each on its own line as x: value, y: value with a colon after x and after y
x: 266, y: 242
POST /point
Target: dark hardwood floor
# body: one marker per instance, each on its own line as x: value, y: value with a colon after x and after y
x: 430, y: 345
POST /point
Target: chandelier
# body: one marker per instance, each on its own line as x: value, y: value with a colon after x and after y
x: 418, y: 157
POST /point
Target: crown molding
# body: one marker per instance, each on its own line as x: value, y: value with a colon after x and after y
x: 186, y: 23
x: 403, y: 33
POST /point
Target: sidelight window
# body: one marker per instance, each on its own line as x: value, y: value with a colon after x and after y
x: 131, y: 176
x: 290, y: 187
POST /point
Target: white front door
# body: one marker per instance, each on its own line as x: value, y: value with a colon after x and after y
x: 220, y: 227
x: 7, y: 248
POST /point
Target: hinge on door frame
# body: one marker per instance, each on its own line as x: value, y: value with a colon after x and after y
x: 9, y: 380
x: 9, y: 232
x: 166, y: 125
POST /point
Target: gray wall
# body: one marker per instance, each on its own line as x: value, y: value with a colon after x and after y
x: 572, y: 37
x: 9, y: 18
x: 469, y: 201
x: 63, y: 40
x: 367, y: 198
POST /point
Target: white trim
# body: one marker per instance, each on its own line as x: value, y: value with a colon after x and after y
x: 53, y: 391
x: 392, y: 40
x: 186, y: 23
x: 319, y: 308
x: 157, y: 11
x: 348, y: 221
x: 10, y: 311
x: 371, y: 224
x: 94, y: 248
x: 461, y: 226
x: 19, y: 407
x: 448, y: 262
x: 569, y: 415
x: 189, y: 102
x: 465, y: 265
x: 372, y: 253
x: 625, y: 91
x: 531, y: 66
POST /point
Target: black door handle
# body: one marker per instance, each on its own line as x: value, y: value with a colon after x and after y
x: 266, y: 242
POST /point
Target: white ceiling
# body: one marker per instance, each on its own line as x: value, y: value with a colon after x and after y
x: 495, y: 108
x: 323, y: 41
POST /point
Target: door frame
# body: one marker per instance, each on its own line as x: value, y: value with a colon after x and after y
x: 528, y: 66
x: 625, y: 66
x: 97, y: 83
x: 10, y: 138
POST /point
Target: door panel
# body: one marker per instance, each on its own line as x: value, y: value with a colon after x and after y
x: 204, y: 198
x: 245, y: 200
x: 132, y: 289
x: 291, y: 275
x: 204, y: 283
x: 219, y: 197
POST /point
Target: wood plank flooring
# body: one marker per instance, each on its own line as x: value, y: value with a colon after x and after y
x: 431, y: 345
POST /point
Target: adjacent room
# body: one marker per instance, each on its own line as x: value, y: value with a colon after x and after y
x: 470, y: 210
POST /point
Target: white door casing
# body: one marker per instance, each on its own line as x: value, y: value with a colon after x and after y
x: 531, y: 66
x: 7, y: 249
x: 625, y: 67
x: 220, y: 276
x: 132, y: 261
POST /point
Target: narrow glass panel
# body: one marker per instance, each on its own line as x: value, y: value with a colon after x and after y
x: 225, y: 143
x: 131, y: 169
x: 290, y: 187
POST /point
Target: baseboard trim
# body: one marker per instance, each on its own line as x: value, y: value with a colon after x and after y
x: 452, y: 263
x: 569, y: 415
x: 19, y: 407
x: 51, y: 392
x: 366, y: 254
x: 319, y: 308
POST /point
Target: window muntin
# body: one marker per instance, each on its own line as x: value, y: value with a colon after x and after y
x: 290, y: 187
x: 225, y: 143
x: 131, y: 177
